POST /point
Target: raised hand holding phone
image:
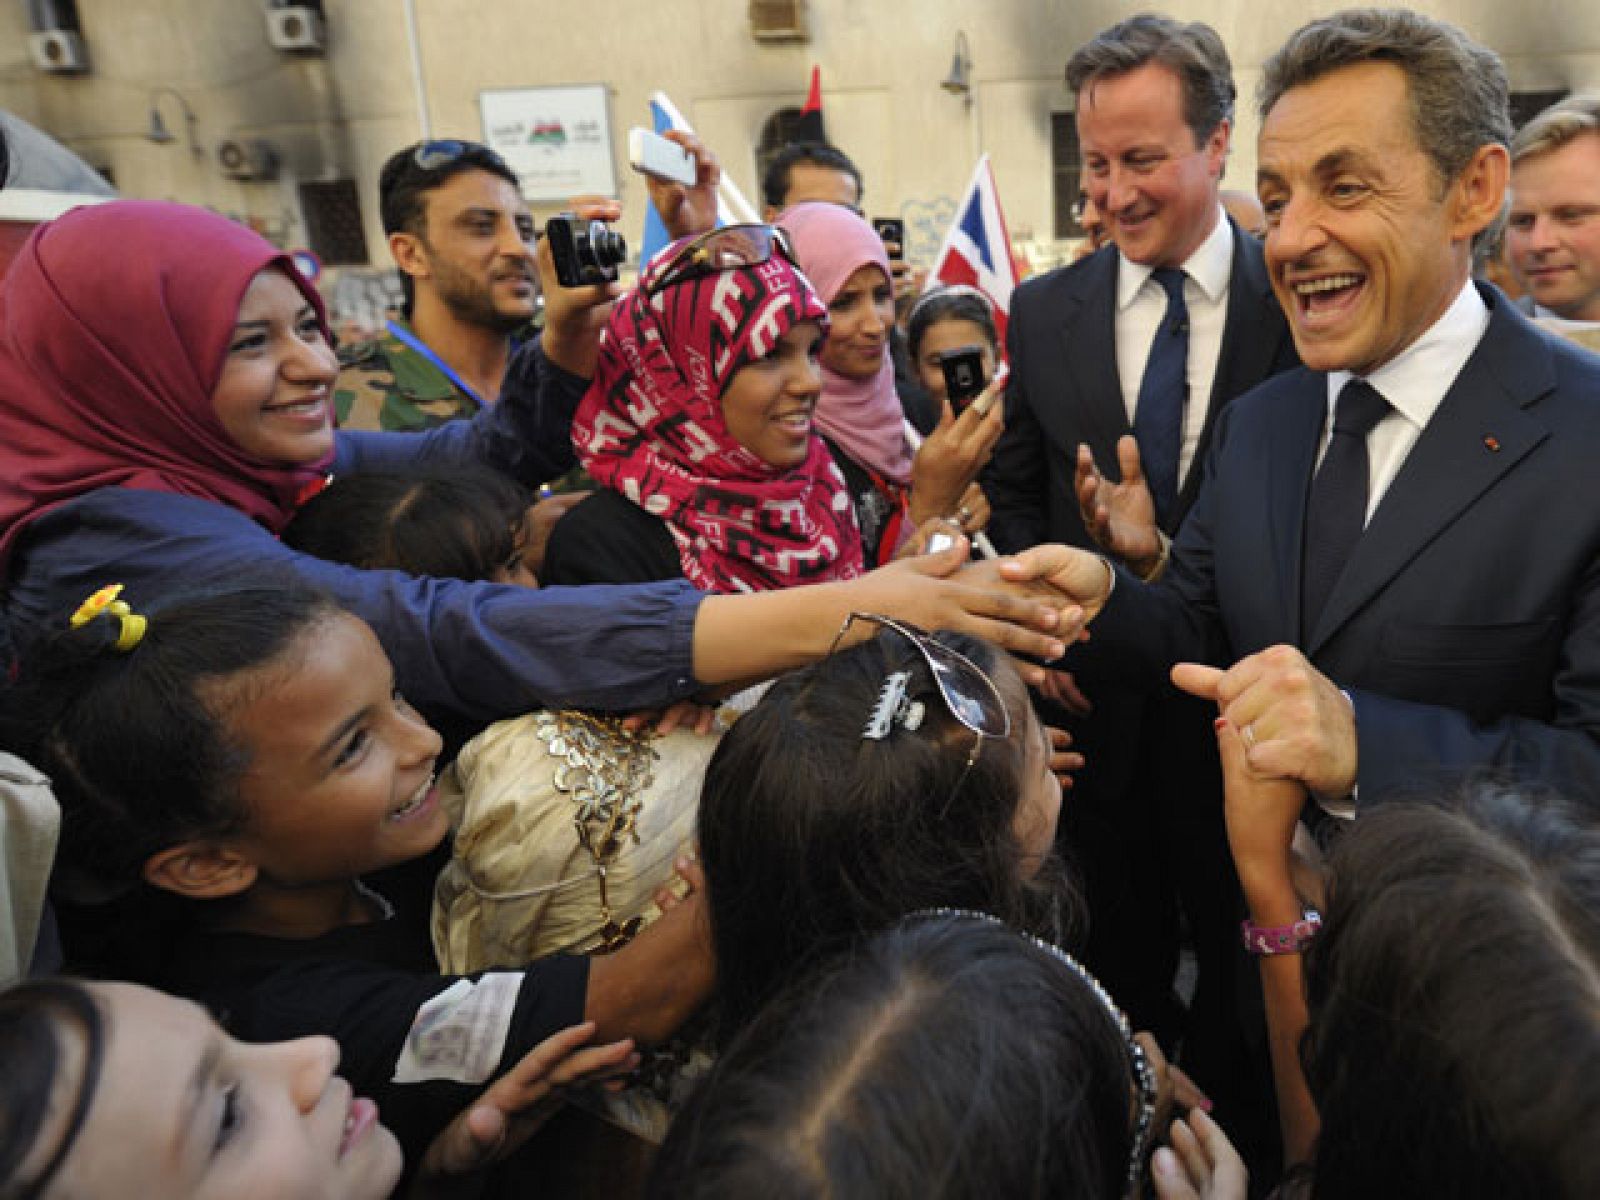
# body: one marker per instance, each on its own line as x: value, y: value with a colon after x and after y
x: 651, y: 154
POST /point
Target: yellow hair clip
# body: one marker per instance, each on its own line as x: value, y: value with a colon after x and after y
x: 105, y: 601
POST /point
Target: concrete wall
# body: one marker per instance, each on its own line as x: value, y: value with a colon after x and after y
x: 882, y: 60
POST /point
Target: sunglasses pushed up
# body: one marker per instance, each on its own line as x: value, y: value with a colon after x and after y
x: 725, y: 249
x: 967, y: 691
x: 441, y: 152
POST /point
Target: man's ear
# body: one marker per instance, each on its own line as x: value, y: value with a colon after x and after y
x: 1216, y: 147
x: 1479, y: 192
x: 409, y: 254
x: 201, y: 871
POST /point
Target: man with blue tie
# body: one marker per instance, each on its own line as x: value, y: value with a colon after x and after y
x: 1127, y: 358
x: 1154, y: 334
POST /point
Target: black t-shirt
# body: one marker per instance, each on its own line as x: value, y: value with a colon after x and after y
x: 364, y: 985
x: 609, y: 539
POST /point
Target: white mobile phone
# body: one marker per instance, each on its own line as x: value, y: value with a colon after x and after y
x: 651, y: 154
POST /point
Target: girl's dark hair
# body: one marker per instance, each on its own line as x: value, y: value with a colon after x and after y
x: 137, y: 751
x: 461, y: 525
x: 35, y: 1019
x: 945, y: 1056
x: 1454, y: 997
x: 813, y: 837
x: 958, y: 303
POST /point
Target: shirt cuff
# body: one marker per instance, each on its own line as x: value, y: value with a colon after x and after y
x: 1342, y: 807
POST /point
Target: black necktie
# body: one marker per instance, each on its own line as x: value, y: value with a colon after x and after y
x: 1336, y: 511
x: 1158, y: 416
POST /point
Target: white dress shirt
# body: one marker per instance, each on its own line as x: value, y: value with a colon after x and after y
x: 1414, y: 383
x: 1141, y: 304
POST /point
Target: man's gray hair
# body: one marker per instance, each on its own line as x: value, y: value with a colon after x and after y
x: 1557, y: 125
x: 1193, y: 52
x: 1458, y: 89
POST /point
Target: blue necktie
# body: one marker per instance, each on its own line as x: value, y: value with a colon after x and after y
x: 1336, y: 511
x: 1163, y: 392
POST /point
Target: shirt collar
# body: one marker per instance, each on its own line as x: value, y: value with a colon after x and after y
x: 1209, y: 266
x: 1415, y: 380
x: 1557, y: 321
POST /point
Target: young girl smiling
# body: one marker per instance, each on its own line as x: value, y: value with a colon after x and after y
x: 244, y: 759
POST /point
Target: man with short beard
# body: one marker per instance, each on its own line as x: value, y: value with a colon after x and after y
x: 463, y: 239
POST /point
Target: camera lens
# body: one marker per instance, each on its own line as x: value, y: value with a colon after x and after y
x: 608, y: 248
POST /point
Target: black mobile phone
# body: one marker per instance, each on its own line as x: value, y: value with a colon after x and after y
x: 963, y: 375
x: 893, y: 232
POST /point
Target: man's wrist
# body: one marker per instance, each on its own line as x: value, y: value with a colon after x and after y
x: 1151, y: 569
x: 1111, y: 578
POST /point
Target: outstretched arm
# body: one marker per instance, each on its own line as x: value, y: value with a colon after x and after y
x: 752, y: 636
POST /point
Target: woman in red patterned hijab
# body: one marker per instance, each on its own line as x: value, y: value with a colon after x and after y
x: 700, y: 416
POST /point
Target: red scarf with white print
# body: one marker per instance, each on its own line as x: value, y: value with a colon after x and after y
x: 651, y: 428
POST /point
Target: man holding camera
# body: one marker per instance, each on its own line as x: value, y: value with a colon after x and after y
x: 463, y: 238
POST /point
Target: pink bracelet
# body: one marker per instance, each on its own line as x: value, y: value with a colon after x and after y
x: 1262, y: 940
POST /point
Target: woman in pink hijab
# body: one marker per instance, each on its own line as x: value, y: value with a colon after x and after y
x: 895, y: 486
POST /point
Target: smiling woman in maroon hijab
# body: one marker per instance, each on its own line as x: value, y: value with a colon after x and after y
x: 165, y: 382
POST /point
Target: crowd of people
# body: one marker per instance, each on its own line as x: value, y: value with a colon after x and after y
x: 660, y: 741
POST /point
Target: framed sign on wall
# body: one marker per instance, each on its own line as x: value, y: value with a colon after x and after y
x: 557, y: 139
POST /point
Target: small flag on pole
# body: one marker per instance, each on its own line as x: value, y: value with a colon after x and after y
x: 810, y: 127
x: 977, y: 249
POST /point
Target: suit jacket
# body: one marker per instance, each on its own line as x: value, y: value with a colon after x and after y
x: 1466, y: 627
x: 1064, y: 388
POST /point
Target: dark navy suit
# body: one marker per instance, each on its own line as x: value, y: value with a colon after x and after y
x: 1064, y: 388
x: 1466, y: 627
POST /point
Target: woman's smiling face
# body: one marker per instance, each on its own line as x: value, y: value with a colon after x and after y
x: 860, y: 316
x: 767, y: 405
x: 274, y: 396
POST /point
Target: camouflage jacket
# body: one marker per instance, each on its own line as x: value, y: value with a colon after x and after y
x: 385, y: 384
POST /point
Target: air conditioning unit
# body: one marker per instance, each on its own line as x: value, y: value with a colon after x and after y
x: 778, y: 21
x: 60, y: 51
x: 296, y: 27
x: 250, y: 159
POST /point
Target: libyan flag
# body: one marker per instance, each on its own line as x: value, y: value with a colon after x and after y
x: 810, y: 127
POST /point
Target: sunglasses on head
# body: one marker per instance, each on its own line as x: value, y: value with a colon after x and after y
x: 1144, y: 1076
x: 724, y: 249
x: 432, y: 155
x: 967, y: 691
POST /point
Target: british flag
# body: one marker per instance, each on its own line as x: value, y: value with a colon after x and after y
x: 977, y: 249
